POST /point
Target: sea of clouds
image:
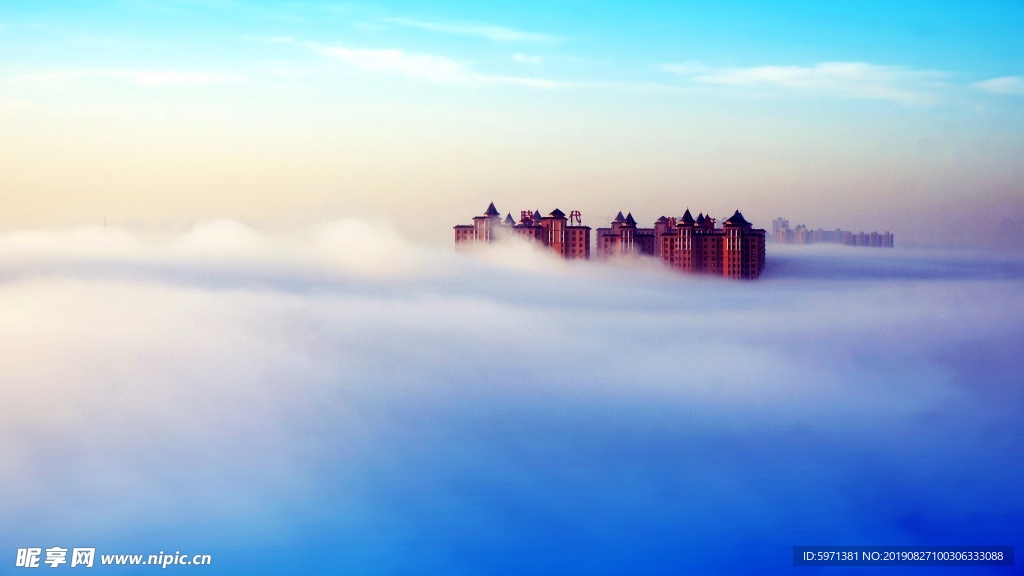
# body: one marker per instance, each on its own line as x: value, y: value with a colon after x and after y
x: 339, y: 400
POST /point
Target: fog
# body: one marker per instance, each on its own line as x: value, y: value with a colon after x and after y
x: 339, y: 400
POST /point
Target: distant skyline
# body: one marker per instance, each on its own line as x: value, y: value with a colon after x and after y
x: 906, y: 117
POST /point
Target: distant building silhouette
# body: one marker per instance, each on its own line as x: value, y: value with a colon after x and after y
x: 782, y: 234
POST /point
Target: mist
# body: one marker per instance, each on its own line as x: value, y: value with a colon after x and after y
x: 340, y: 400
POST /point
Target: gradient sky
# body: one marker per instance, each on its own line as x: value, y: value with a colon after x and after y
x: 887, y: 116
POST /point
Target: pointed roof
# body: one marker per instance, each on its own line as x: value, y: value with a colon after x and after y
x: 509, y: 221
x: 687, y: 218
x: 619, y: 217
x: 737, y: 219
x: 700, y: 219
x: 630, y: 220
x: 491, y: 210
x: 662, y: 219
x: 556, y: 213
x: 536, y: 216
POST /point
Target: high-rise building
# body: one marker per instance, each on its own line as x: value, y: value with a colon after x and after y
x: 780, y: 230
x: 736, y: 250
x: 566, y: 236
x: 782, y: 234
x: 624, y: 237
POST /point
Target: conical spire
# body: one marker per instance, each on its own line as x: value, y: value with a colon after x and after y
x: 630, y: 220
x: 536, y: 216
x: 619, y: 217
x: 687, y: 218
x: 509, y: 221
x: 737, y: 219
x: 700, y: 219
x: 556, y: 213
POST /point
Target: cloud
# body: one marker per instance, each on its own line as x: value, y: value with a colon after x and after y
x: 842, y: 79
x: 415, y: 410
x: 486, y: 31
x: 274, y: 39
x: 1005, y: 85
x: 424, y: 66
x: 148, y: 78
x: 685, y: 68
x: 525, y: 59
x: 529, y: 82
x: 394, y: 61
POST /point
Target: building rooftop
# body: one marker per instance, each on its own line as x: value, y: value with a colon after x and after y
x: 737, y: 219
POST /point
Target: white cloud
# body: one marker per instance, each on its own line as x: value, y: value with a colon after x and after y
x: 486, y: 31
x: 425, y: 66
x: 346, y: 386
x: 685, y: 68
x: 394, y: 61
x: 1005, y: 85
x: 844, y: 79
x: 523, y: 81
x: 271, y: 39
x: 526, y: 59
x: 149, y: 78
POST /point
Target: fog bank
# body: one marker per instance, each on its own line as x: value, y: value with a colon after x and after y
x: 339, y: 400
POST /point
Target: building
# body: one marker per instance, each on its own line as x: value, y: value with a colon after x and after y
x: 736, y: 250
x: 623, y: 237
x: 566, y: 236
x: 780, y: 230
x: 782, y: 234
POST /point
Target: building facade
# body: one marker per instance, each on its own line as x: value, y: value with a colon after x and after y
x: 736, y: 250
x: 694, y: 245
x: 564, y: 235
x: 623, y: 237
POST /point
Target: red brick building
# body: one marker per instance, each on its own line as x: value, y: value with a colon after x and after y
x: 566, y: 236
x: 736, y: 250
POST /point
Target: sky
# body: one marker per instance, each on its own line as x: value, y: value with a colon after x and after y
x: 293, y: 403
x: 902, y: 117
x: 232, y: 321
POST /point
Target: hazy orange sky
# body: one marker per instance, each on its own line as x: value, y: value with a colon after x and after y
x: 278, y: 115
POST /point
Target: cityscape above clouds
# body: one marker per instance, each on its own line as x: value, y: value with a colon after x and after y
x: 510, y: 288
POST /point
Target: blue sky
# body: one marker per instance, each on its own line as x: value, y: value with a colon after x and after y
x: 972, y: 42
x: 833, y: 114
